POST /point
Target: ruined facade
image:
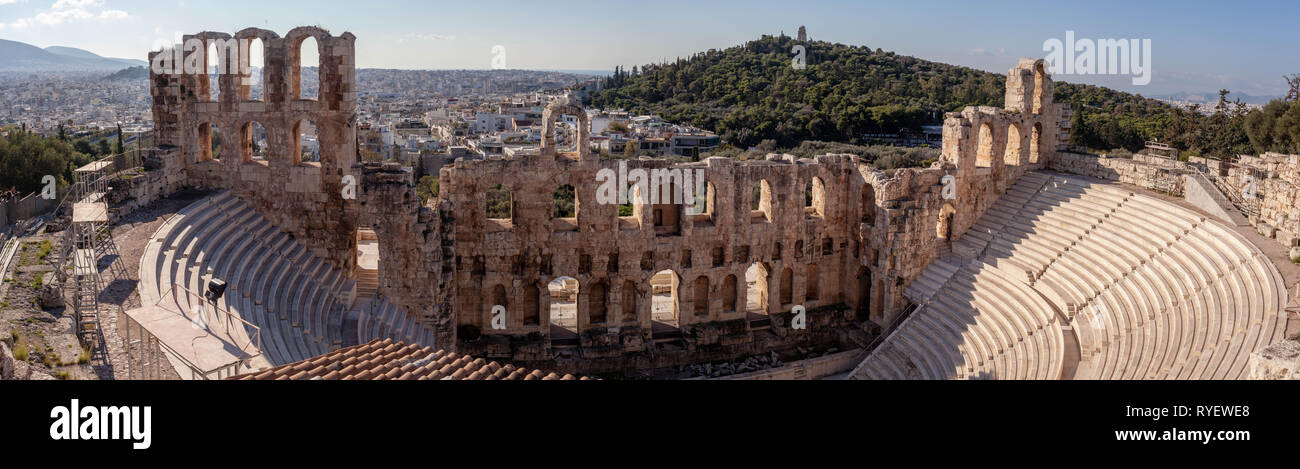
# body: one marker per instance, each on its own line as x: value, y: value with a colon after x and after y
x: 830, y: 236
x: 301, y: 197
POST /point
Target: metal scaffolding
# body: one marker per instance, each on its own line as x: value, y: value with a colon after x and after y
x: 87, y: 242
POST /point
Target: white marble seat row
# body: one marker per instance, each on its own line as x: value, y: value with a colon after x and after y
x: 300, y: 302
x: 1149, y: 289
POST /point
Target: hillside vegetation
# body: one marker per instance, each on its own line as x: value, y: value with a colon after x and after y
x: 750, y: 94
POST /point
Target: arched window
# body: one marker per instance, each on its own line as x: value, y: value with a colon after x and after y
x: 566, y: 134
x: 729, y: 294
x: 629, y: 214
x: 701, y: 291
x: 306, y: 144
x: 1040, y: 82
x: 213, y: 68
x: 256, y: 90
x: 868, y: 204
x: 210, y: 144
x: 812, y: 287
x: 500, y: 203
x: 864, y: 292
x: 760, y: 208
x: 1036, y: 143
x: 756, y: 293
x: 668, y: 211
x: 597, y: 313
x: 1014, y: 148
x: 564, y: 208
x: 308, y: 69
x: 815, y: 198
x: 530, y: 306
x: 564, y: 302
x: 498, y: 298
x: 630, y: 297
x: 984, y: 155
x: 664, y: 302
x: 787, y: 286
x: 252, y: 138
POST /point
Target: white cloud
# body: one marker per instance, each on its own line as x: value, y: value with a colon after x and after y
x: 113, y: 15
x: 431, y: 37
x: 70, y: 11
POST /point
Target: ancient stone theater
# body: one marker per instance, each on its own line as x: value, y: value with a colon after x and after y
x: 1009, y: 258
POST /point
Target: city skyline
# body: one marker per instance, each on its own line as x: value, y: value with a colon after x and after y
x: 1187, y: 54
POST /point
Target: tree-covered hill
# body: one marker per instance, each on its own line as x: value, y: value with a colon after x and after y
x: 752, y: 93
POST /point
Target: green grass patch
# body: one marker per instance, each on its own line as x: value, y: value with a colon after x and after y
x: 20, y: 351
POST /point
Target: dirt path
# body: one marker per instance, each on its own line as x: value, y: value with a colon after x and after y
x: 132, y: 235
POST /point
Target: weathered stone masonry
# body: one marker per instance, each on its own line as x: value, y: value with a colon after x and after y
x: 865, y: 238
x: 303, y: 198
x: 846, y: 258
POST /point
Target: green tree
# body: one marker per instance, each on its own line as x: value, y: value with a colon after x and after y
x: 427, y: 188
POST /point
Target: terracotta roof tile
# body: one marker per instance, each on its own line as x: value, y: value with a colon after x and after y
x: 388, y: 359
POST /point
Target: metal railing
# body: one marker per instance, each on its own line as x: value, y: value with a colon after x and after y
x: 1249, y: 208
x: 224, y: 318
x: 898, y: 321
x: 146, y: 354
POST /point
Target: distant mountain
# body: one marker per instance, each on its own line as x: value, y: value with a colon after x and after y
x: 1211, y: 98
x: 22, y: 57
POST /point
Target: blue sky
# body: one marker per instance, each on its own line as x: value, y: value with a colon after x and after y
x: 1197, y: 46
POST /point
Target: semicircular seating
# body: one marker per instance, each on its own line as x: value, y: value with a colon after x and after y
x: 299, y: 302
x: 1145, y: 288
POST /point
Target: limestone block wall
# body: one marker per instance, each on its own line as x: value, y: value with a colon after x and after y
x: 810, y: 254
x: 1165, y: 176
x: 306, y: 199
x: 1277, y: 188
x: 410, y: 246
x: 986, y: 149
x: 828, y: 233
x: 904, y: 240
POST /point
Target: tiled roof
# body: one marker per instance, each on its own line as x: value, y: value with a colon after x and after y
x: 387, y: 359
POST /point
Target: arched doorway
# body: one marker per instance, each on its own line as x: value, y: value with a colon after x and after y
x: 564, y: 303
x: 863, y: 305
x: 664, y: 303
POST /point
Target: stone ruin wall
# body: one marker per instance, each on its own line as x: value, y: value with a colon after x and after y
x: 868, y: 235
x: 302, y: 198
x: 1152, y: 173
x: 613, y: 258
x: 412, y: 253
x: 321, y: 203
x: 985, y: 150
x: 871, y: 236
x: 1277, y: 178
x: 1277, y: 188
